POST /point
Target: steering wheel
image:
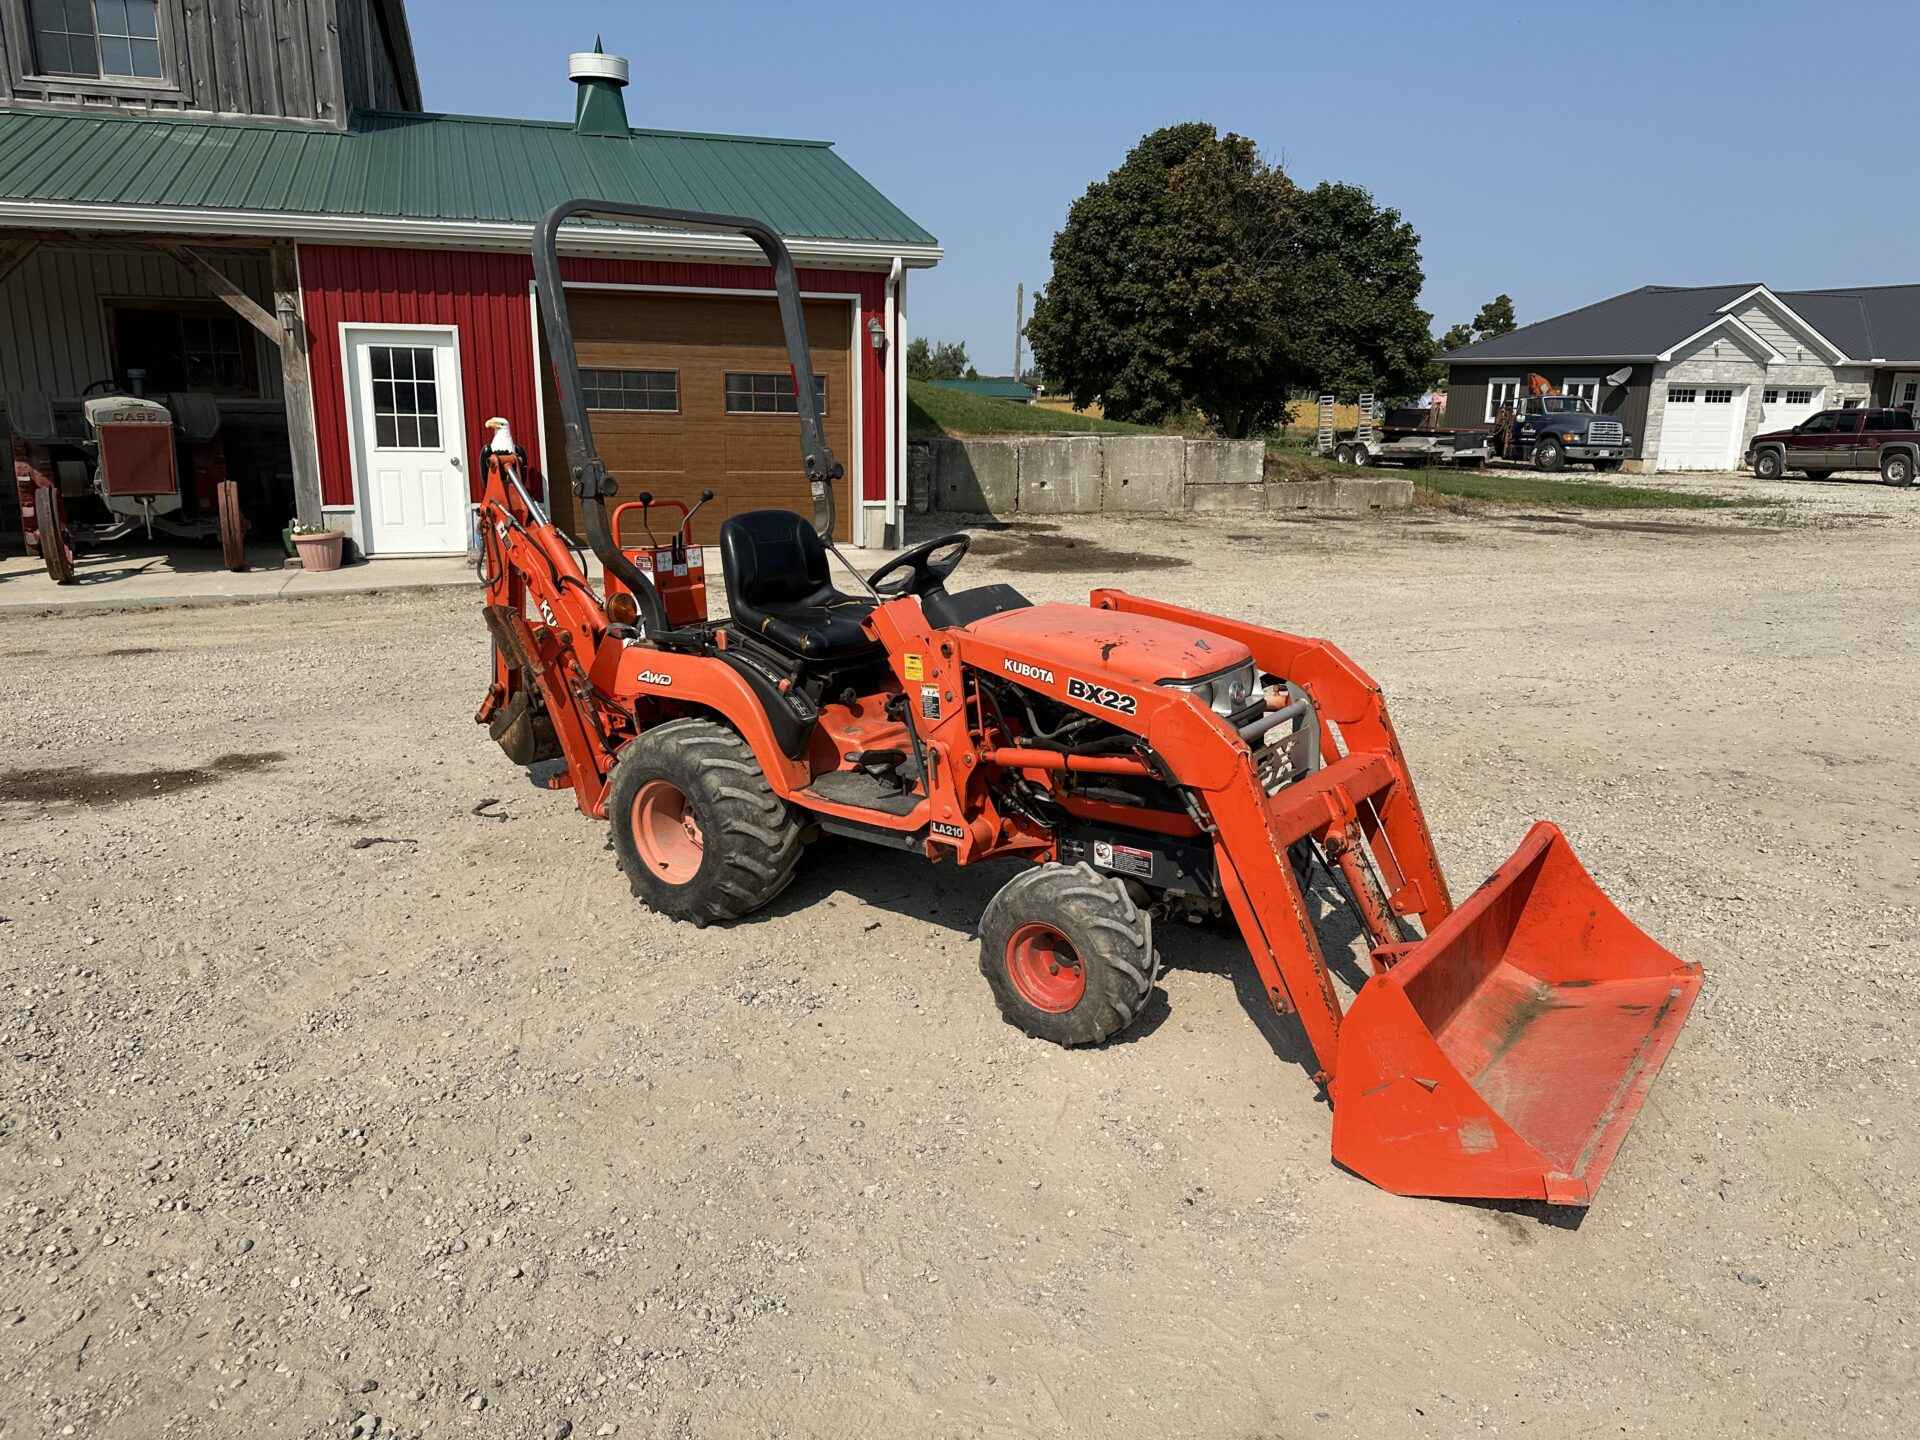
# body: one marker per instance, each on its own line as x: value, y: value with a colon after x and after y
x: 923, y: 568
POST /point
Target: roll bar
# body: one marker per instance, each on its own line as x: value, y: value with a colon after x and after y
x: 587, y: 471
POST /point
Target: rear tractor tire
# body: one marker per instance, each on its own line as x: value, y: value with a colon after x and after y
x: 1068, y: 955
x: 52, y: 522
x: 697, y: 827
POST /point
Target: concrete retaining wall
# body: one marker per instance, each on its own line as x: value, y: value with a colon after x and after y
x: 1125, y: 474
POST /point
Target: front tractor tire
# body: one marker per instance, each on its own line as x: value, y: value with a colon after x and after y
x: 697, y: 827
x: 1068, y: 955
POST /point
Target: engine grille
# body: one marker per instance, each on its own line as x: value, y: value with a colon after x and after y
x: 1606, y: 432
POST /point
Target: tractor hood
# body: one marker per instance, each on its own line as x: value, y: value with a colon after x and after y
x: 1141, y: 648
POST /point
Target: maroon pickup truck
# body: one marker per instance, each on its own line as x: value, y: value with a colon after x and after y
x: 1883, y: 440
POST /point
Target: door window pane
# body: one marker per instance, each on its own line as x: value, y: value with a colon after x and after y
x: 768, y: 394
x: 406, y: 397
x: 1680, y: 394
x: 1718, y: 397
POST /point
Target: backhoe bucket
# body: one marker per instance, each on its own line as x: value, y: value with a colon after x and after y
x: 1504, y: 1056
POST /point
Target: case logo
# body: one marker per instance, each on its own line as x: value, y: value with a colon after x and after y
x: 1079, y: 689
x: 1028, y: 672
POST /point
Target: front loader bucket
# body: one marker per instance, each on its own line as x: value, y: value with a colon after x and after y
x: 1506, y: 1054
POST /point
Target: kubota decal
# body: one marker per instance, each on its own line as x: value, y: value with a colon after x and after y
x: 1028, y: 672
x: 1079, y: 689
x: 546, y: 613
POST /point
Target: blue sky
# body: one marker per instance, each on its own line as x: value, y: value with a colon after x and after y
x: 1558, y: 159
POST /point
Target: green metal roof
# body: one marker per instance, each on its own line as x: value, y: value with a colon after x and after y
x: 435, y: 167
x: 989, y: 387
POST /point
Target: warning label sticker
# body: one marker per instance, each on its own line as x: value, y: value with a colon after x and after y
x: 930, y: 702
x: 1123, y: 859
x: 915, y: 666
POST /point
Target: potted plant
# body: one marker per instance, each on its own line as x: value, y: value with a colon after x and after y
x: 319, y: 547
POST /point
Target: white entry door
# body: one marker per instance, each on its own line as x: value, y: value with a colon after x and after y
x: 1906, y: 391
x: 410, y: 445
x: 1702, y: 426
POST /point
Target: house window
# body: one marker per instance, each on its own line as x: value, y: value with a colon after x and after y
x: 1716, y: 397
x: 1587, y: 390
x: 95, y: 39
x: 1799, y: 397
x: 657, y: 390
x: 406, y: 397
x: 1502, y: 391
x: 1680, y: 394
x: 1909, y: 396
x: 185, y: 347
x: 770, y: 394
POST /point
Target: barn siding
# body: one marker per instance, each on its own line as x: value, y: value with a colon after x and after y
x: 234, y: 57
x: 53, y: 312
x: 488, y: 297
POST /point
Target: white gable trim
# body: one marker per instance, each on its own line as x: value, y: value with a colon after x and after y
x: 1774, y: 357
x: 1793, y: 316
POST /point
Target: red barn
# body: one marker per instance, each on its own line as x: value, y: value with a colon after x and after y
x: 360, y: 293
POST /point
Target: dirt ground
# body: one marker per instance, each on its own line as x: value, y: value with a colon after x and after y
x: 341, y: 1078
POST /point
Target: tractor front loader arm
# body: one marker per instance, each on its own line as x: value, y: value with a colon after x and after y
x: 1504, y: 1053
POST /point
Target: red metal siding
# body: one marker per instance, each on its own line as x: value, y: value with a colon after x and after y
x: 486, y: 295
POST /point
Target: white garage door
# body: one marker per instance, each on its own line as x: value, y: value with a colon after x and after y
x: 1784, y: 406
x: 1702, y: 426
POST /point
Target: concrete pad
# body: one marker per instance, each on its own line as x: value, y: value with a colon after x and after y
x: 1060, y: 475
x: 1204, y: 498
x: 979, y: 477
x: 1144, y: 473
x: 1225, y: 462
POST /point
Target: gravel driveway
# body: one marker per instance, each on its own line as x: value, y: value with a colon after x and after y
x: 343, y: 1079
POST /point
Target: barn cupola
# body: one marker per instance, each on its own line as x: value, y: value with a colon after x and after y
x: 600, y: 78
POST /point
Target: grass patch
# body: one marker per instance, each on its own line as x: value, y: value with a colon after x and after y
x: 1496, y: 487
x: 933, y: 413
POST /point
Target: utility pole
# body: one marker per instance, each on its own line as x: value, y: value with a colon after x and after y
x: 1019, y: 323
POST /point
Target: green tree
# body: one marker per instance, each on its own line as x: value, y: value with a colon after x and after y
x: 1198, y: 276
x: 946, y: 360
x: 1495, y: 317
x: 1354, y: 291
x: 1457, y: 336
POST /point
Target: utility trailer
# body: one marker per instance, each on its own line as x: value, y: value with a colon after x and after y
x: 1412, y: 435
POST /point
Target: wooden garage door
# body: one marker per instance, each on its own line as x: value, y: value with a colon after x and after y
x: 659, y: 367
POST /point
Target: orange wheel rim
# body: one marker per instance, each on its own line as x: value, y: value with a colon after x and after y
x: 666, y: 833
x: 1045, y: 968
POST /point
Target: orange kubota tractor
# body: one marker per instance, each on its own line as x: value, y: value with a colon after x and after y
x: 1147, y: 760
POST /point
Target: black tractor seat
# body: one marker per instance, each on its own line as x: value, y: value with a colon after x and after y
x: 778, y: 588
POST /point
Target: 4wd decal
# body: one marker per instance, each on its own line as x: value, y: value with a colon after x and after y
x: 653, y: 677
x: 951, y: 832
x: 1028, y: 672
x: 1079, y: 689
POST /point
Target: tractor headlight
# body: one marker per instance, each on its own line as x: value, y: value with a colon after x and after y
x: 1227, y: 693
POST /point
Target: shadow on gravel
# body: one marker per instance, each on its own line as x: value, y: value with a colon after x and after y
x: 82, y: 785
